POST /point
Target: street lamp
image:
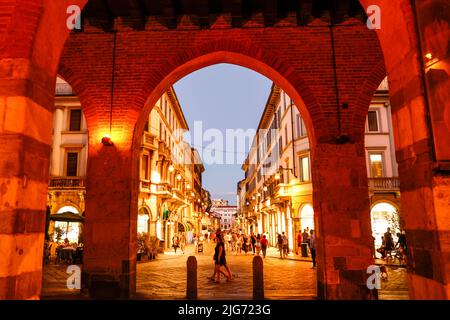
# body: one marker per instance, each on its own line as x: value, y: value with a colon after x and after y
x: 278, y: 175
x: 171, y: 168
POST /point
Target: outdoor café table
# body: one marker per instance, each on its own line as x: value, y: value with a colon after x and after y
x: 67, y: 254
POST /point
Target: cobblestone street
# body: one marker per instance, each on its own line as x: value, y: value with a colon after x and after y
x: 165, y: 278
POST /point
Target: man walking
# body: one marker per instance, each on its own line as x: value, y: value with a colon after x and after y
x: 299, y: 242
x: 312, y: 247
x: 285, y: 245
x: 264, y: 244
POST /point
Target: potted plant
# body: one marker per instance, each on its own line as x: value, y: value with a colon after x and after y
x: 58, y: 233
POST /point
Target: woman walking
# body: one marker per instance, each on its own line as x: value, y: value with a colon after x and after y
x: 264, y: 243
x: 220, y: 261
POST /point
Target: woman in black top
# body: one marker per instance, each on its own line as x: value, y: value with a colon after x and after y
x: 220, y: 260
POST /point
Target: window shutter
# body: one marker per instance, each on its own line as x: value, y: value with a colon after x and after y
x: 72, y: 164
x: 372, y: 120
x: 75, y: 120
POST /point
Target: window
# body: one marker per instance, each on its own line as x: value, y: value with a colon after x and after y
x: 72, y: 164
x: 280, y: 145
x: 301, y: 130
x: 279, y: 118
x: 146, y: 126
x: 304, y: 169
x: 286, y: 134
x: 75, y: 120
x: 145, y: 172
x: 376, y: 165
x: 372, y: 121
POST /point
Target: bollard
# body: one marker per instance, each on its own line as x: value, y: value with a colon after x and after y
x: 258, y: 278
x: 191, y: 287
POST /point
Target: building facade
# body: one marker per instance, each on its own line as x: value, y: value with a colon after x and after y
x: 227, y: 214
x: 276, y: 194
x: 171, y: 197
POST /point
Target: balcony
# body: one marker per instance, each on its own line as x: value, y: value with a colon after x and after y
x: 384, y: 184
x: 163, y: 189
x: 145, y: 185
x: 283, y: 191
x: 66, y: 183
x: 148, y: 141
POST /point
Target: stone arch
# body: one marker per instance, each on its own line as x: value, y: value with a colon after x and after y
x: 68, y: 204
x: 215, y: 52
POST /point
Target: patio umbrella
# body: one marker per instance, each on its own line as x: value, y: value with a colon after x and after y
x: 67, y: 217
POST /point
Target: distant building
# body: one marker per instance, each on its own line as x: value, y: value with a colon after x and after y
x: 227, y: 213
x: 277, y: 194
x: 171, y: 197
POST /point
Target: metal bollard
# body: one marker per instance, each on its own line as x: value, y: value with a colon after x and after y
x: 191, y: 281
x: 258, y: 278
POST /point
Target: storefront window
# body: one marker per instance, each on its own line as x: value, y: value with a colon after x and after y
x: 64, y: 229
x: 307, y: 217
x: 143, y: 218
x: 384, y: 216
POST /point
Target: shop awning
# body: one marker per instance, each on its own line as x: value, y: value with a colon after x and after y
x: 67, y: 217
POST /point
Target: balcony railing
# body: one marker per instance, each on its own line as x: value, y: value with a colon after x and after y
x: 384, y: 184
x: 63, y: 89
x: 148, y: 140
x: 145, y: 185
x: 66, y: 182
x: 162, y: 188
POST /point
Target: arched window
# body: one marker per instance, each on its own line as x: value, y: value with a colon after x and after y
x: 307, y: 217
x: 143, y: 219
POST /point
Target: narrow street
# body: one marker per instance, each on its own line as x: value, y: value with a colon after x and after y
x: 165, y: 278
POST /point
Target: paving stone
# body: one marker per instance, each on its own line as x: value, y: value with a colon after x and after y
x: 165, y: 278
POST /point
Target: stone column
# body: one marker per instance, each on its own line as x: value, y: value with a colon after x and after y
x: 342, y: 220
x: 111, y: 219
x: 26, y: 113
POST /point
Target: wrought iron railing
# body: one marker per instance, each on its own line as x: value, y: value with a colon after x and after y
x: 66, y: 182
x: 63, y: 89
x: 384, y: 184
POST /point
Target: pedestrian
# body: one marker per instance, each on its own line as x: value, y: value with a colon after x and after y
x: 264, y: 244
x: 280, y: 245
x: 253, y: 240
x: 239, y: 244
x: 389, y: 240
x: 175, y: 243
x: 299, y: 242
x: 249, y: 243
x: 229, y: 241
x: 258, y: 244
x: 312, y: 247
x: 220, y: 261
x: 305, y: 236
x: 382, y: 249
x: 182, y: 242
x: 244, y: 243
x: 285, y: 245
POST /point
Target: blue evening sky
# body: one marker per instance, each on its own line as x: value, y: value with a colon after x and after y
x: 223, y: 96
